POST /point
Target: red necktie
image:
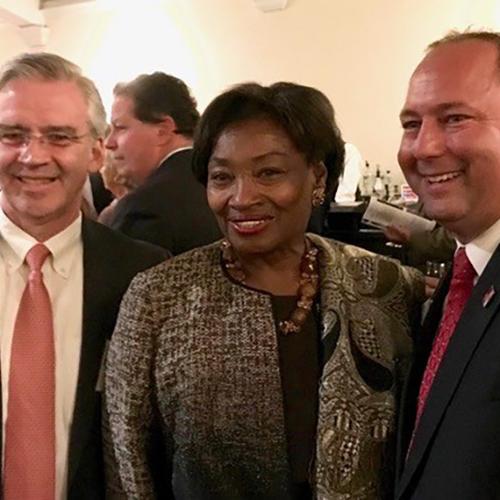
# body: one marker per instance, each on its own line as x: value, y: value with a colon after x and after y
x: 462, y: 282
x: 29, y: 472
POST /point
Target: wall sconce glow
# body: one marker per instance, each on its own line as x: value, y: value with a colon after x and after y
x: 142, y: 37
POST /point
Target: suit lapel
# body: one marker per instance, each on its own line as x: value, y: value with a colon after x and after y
x: 95, y: 291
x: 469, y: 331
x: 422, y: 348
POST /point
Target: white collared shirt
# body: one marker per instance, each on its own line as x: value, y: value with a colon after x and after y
x: 63, y: 277
x: 480, y: 249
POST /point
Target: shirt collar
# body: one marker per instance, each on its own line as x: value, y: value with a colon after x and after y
x: 480, y: 249
x: 16, y: 243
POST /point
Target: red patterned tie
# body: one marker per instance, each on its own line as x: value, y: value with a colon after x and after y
x: 462, y: 282
x: 29, y: 472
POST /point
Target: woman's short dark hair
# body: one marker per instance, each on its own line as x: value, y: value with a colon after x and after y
x: 304, y: 113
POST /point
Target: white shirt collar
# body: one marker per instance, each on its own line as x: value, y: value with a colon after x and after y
x: 480, y: 249
x: 16, y: 243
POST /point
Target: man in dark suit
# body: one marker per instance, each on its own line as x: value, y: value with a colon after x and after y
x: 152, y: 123
x: 449, y: 439
x: 101, y: 195
x: 62, y: 281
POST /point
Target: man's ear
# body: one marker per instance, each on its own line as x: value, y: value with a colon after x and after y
x: 97, y: 155
x: 166, y: 129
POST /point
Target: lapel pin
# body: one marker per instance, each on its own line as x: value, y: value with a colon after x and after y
x: 488, y: 295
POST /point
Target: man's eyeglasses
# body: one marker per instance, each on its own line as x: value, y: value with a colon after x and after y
x: 58, y: 139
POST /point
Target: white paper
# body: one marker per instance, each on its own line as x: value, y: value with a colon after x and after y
x: 382, y: 214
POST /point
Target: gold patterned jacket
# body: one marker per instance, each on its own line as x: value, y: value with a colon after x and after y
x: 201, y: 352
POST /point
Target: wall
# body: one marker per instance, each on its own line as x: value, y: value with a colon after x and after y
x: 359, y: 52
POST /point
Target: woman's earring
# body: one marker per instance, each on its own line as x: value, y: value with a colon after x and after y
x: 318, y: 197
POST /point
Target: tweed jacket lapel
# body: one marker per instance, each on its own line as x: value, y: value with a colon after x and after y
x: 471, y: 327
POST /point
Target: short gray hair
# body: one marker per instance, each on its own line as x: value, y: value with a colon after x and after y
x: 51, y: 67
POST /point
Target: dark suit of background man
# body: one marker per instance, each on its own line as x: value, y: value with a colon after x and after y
x: 450, y: 155
x: 152, y: 124
x: 52, y: 124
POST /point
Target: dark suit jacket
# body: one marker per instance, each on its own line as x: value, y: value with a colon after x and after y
x: 110, y: 261
x: 170, y: 209
x: 101, y: 195
x: 456, y: 449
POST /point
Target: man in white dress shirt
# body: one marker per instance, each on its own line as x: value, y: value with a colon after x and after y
x: 52, y: 124
x: 349, y: 180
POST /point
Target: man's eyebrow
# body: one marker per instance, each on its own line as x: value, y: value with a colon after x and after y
x: 51, y: 128
x: 440, y: 108
x: 406, y: 112
x: 8, y: 126
x: 66, y: 129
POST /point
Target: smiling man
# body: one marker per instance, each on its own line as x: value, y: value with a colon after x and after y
x: 62, y: 280
x: 450, y: 155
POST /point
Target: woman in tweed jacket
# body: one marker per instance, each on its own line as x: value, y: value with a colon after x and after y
x: 273, y: 361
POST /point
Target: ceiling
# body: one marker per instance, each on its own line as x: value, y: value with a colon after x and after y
x: 28, y: 17
x: 44, y: 4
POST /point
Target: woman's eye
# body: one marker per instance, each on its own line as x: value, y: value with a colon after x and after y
x: 268, y: 173
x: 219, y: 177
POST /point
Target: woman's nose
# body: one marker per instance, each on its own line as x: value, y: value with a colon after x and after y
x: 245, y: 192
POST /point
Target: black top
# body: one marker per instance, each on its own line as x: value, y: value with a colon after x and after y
x: 299, y: 358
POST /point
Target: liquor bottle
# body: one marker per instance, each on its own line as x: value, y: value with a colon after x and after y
x: 366, y: 182
x: 387, y: 184
x: 395, y: 198
x: 378, y: 185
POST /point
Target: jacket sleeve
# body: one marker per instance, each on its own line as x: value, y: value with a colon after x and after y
x: 436, y: 245
x: 128, y: 408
